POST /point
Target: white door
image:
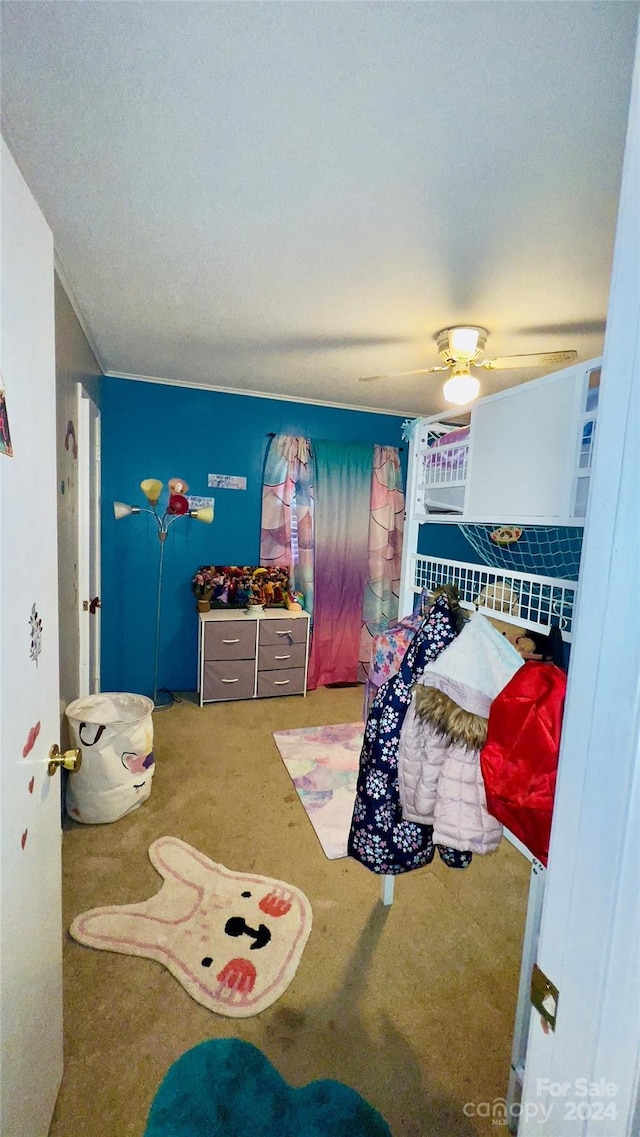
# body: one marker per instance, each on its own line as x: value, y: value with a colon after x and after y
x: 30, y: 808
x: 583, y: 1079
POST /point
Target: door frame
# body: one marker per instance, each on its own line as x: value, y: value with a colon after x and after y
x: 89, y: 548
x: 590, y: 929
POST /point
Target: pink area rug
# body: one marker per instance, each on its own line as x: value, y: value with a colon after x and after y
x: 322, y: 762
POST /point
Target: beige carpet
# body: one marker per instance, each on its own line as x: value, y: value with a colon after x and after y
x: 411, y: 1005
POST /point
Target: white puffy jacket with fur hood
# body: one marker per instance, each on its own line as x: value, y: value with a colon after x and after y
x: 443, y: 732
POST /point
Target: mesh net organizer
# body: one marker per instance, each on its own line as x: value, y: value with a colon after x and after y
x: 542, y: 549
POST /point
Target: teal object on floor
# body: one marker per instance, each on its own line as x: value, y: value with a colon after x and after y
x: 228, y: 1088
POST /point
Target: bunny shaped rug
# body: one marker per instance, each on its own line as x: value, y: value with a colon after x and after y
x: 233, y: 939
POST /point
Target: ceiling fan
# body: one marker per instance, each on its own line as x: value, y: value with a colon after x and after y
x: 461, y: 348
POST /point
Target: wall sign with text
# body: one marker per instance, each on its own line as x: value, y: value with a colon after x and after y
x: 200, y: 502
x: 226, y: 482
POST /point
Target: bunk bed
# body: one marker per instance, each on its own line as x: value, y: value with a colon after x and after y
x: 513, y: 474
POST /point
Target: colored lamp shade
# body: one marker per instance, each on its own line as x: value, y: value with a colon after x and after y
x: 177, y: 504
x: 151, y: 489
x: 205, y: 514
x: 121, y: 509
x: 178, y: 485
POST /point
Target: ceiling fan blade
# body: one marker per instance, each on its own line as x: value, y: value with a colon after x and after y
x: 539, y: 359
x: 401, y: 374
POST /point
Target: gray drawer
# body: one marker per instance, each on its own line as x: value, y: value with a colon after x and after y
x: 288, y: 681
x: 229, y: 639
x: 232, y: 679
x: 281, y: 655
x: 283, y: 632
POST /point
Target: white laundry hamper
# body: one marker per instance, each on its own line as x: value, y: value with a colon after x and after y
x: 114, y: 731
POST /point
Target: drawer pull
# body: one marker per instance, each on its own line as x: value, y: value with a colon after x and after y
x: 281, y: 682
x: 231, y: 641
x: 287, y: 633
x: 283, y: 656
x: 229, y: 680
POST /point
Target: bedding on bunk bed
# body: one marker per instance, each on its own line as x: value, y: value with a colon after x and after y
x: 452, y: 458
x: 389, y: 647
x: 443, y: 471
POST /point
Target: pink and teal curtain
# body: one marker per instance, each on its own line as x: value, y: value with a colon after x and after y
x: 342, y: 496
x: 386, y: 526
x: 334, y: 513
x: 287, y: 512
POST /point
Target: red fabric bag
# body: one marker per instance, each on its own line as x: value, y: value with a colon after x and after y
x: 520, y: 757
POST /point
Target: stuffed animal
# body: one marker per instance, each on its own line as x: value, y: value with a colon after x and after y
x: 499, y: 597
x: 532, y: 644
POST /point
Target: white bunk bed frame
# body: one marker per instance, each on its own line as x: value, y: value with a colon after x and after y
x: 543, y: 602
x: 525, y: 460
x: 454, y: 487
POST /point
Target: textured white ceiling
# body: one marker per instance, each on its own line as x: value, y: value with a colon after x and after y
x: 282, y: 197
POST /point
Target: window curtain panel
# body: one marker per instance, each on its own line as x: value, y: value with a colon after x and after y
x: 287, y: 533
x: 386, y: 526
x: 342, y: 504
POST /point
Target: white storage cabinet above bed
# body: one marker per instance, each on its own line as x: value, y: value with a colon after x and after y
x: 523, y: 458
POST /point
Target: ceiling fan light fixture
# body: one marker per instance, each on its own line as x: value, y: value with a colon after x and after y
x: 462, y: 342
x: 461, y: 388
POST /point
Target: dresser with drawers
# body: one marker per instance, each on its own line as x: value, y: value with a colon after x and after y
x: 252, y: 654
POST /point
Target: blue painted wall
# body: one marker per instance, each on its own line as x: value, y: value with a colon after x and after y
x: 446, y: 540
x: 155, y: 430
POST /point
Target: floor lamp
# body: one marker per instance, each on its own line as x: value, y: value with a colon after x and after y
x: 177, y: 506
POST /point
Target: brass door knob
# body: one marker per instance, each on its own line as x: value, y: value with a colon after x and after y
x: 70, y: 760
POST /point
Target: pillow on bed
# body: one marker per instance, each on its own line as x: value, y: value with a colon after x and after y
x: 460, y: 434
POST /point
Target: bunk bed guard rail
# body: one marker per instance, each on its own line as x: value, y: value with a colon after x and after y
x: 541, y: 602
